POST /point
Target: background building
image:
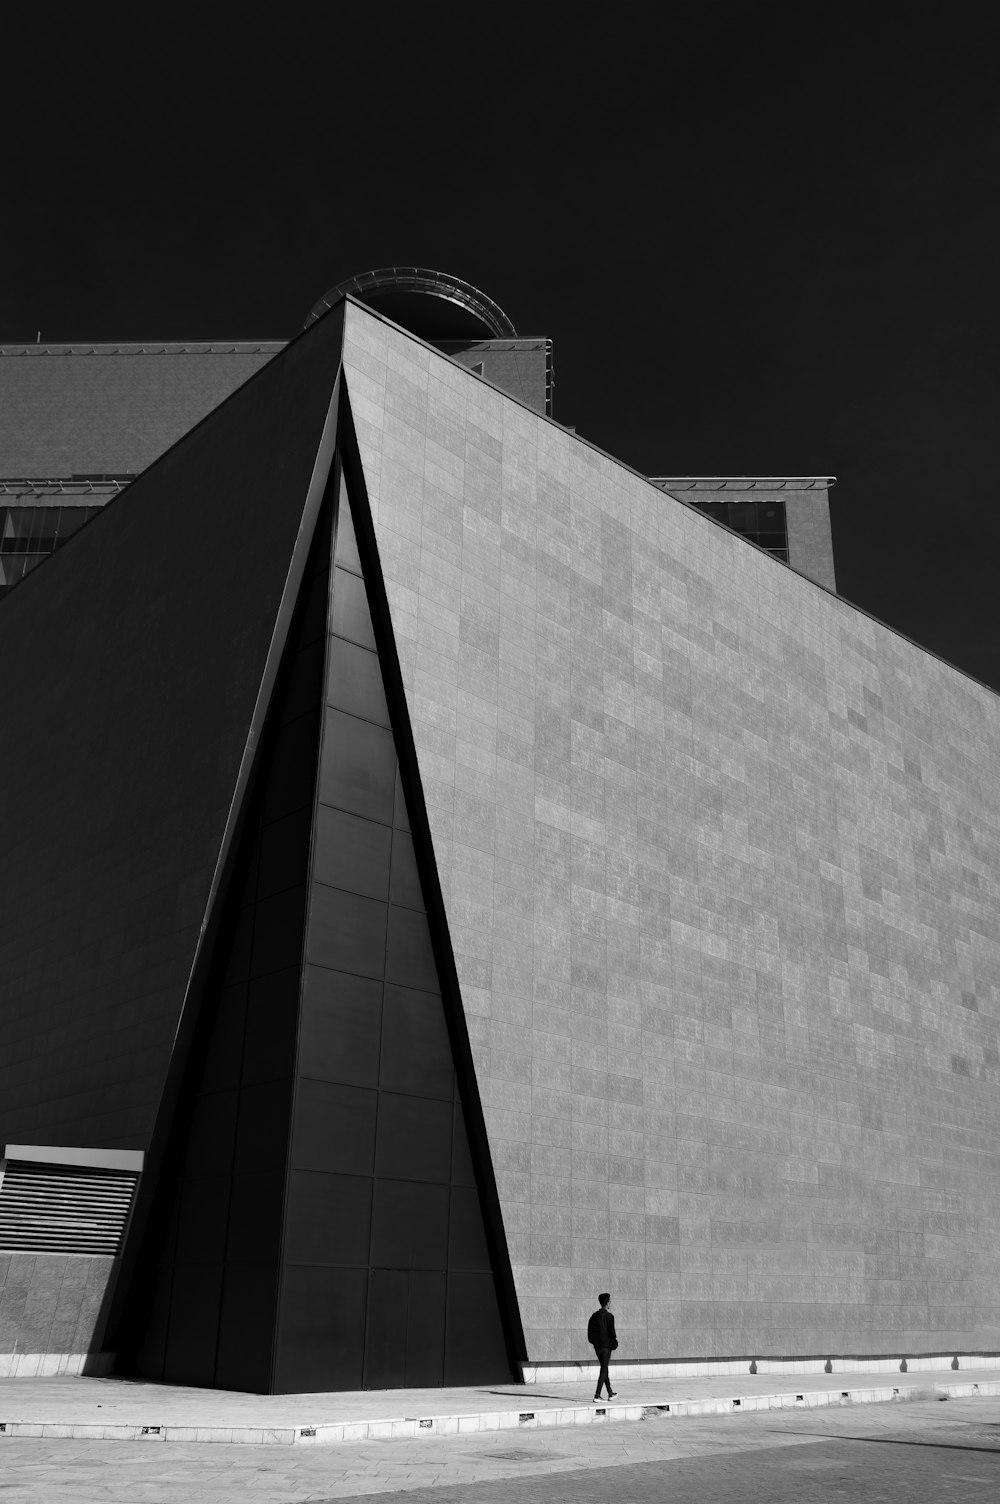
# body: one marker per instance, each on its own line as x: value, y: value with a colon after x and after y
x: 471, y: 879
x: 78, y: 422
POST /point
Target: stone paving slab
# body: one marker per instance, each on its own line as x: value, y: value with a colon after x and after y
x: 588, y: 1466
x: 123, y: 1410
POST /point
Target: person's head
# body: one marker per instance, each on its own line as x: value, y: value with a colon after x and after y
x: 604, y: 1299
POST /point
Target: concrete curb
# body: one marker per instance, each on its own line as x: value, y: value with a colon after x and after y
x: 498, y: 1420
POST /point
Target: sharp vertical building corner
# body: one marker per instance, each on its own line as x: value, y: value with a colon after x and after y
x: 447, y: 874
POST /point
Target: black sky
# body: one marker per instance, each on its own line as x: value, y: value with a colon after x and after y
x: 764, y: 237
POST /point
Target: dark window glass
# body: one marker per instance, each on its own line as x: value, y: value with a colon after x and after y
x: 462, y: 1170
x: 354, y: 682
x: 241, y: 946
x: 314, y: 607
x: 45, y: 528
x: 334, y: 1128
x: 740, y: 516
x: 414, y: 1138
x: 277, y: 933
x: 269, y: 1042
x: 409, y: 958
x: 14, y: 567
x: 351, y: 616
x: 29, y: 534
x: 352, y: 853
x: 400, y: 818
x: 359, y: 760
x: 18, y: 527
x: 289, y: 784
x: 346, y: 553
x: 467, y: 1238
x: 306, y: 671
x: 284, y: 852
x: 73, y: 518
x: 762, y: 522
x: 405, y: 888
x: 346, y: 931
x: 416, y: 1049
x: 341, y: 1027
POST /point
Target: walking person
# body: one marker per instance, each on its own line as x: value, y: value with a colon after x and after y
x: 601, y: 1336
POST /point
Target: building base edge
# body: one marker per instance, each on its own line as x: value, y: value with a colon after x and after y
x: 639, y: 1368
x: 51, y: 1365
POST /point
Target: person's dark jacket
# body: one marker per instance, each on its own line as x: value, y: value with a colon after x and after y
x: 601, y: 1329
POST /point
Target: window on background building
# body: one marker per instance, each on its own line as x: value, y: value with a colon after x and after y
x: 761, y: 522
x: 29, y: 534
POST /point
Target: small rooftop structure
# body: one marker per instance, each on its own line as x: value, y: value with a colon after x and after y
x: 433, y: 305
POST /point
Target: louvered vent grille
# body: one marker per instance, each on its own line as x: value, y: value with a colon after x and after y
x: 63, y: 1208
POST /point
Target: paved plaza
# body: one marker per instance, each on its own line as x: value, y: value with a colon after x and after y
x: 93, y: 1409
x: 948, y: 1452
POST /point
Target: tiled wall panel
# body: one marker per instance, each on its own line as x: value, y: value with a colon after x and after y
x: 721, y: 859
x: 810, y: 539
x: 50, y: 1309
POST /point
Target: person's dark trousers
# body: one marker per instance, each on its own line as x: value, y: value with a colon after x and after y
x: 604, y: 1358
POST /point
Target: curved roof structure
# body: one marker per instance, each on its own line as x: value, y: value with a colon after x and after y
x: 433, y: 305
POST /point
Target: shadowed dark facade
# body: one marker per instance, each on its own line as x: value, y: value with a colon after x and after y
x: 318, y: 1223
x: 310, y: 1216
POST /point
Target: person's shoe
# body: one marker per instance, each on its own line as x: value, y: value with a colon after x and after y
x: 612, y: 1393
x: 597, y: 1399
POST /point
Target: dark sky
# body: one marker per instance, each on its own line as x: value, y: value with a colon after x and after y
x: 765, y: 237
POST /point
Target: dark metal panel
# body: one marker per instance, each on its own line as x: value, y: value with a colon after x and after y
x: 321, y: 1330
x: 126, y: 759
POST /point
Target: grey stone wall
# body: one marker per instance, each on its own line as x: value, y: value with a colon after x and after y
x: 721, y: 858
x: 810, y: 540
x: 521, y: 367
x: 50, y: 1310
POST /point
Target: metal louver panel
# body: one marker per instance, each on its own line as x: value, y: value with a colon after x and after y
x: 63, y: 1208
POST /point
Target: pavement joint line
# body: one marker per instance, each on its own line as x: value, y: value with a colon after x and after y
x: 408, y: 1427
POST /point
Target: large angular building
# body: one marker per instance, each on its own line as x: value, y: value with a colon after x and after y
x: 446, y: 874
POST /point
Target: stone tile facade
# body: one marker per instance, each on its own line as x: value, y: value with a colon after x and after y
x: 810, y: 540
x: 721, y: 859
x: 51, y: 1308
